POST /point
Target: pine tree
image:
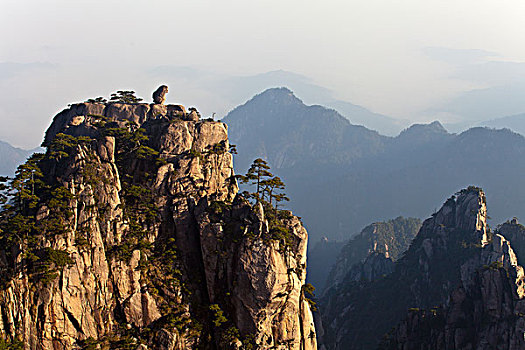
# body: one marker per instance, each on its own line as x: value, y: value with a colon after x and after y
x: 3, y: 189
x: 270, y: 188
x: 267, y: 185
x: 125, y: 96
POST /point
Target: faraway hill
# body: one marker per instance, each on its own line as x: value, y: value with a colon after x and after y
x: 341, y: 177
x: 129, y: 233
x: 11, y: 157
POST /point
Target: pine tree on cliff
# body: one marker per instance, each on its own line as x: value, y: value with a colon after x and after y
x: 267, y: 185
x: 3, y: 188
x: 125, y: 96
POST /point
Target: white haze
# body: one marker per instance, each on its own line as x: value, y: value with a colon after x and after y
x: 418, y: 60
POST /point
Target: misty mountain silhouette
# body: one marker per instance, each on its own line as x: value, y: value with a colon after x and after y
x: 341, y: 177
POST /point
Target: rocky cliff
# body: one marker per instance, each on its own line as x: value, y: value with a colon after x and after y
x: 513, y: 231
x: 455, y: 263
x: 129, y: 233
x: 486, y: 311
x: 389, y: 239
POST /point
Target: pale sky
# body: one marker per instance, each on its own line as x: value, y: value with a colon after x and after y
x: 406, y: 59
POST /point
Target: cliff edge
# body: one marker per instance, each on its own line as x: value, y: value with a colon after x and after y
x: 129, y: 233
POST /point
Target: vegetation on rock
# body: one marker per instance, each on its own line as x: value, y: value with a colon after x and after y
x: 124, y: 96
x: 105, y: 235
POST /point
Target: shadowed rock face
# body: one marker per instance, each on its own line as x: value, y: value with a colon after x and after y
x: 375, y: 266
x: 515, y: 233
x: 152, y: 260
x: 391, y: 238
x: 449, y: 265
x: 485, y: 312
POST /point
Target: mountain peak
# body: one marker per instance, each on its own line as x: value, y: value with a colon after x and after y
x: 467, y: 210
x: 278, y: 95
x: 433, y: 127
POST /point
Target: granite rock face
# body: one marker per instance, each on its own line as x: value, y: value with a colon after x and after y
x: 485, y: 312
x: 454, y: 264
x: 134, y: 254
x: 376, y: 265
x: 260, y: 280
x: 390, y: 238
x: 513, y: 231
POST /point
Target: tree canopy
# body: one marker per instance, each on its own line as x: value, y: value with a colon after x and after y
x: 125, y: 96
x: 268, y: 188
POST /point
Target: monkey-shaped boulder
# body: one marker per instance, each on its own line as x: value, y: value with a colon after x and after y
x: 159, y: 96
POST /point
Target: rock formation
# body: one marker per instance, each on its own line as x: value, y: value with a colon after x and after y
x: 375, y: 266
x: 455, y: 263
x: 513, y: 231
x: 390, y: 239
x: 129, y: 233
x: 487, y: 310
x: 159, y: 96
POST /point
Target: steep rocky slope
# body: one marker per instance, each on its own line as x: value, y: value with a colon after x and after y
x: 515, y: 233
x: 129, y: 233
x: 444, y: 267
x: 486, y: 311
x: 389, y: 239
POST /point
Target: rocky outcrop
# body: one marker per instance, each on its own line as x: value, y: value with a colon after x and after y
x: 447, y: 252
x: 259, y: 279
x: 485, y: 312
x: 390, y: 238
x: 119, y: 244
x: 513, y: 231
x: 375, y: 266
x: 159, y: 96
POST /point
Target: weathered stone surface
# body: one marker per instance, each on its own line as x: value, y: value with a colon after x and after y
x: 390, y: 238
x: 484, y: 312
x: 450, y: 265
x: 375, y: 266
x: 115, y: 288
x: 263, y: 279
x: 193, y: 116
x: 176, y: 111
x: 157, y: 111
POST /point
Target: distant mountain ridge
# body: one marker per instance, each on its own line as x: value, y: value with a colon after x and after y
x: 359, y: 115
x: 514, y: 122
x: 342, y: 176
x: 11, y: 157
x: 279, y: 127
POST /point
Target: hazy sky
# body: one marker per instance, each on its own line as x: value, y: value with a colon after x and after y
x: 406, y: 59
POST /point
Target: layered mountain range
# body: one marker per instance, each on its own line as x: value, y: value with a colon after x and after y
x: 358, y: 176
x: 129, y: 233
